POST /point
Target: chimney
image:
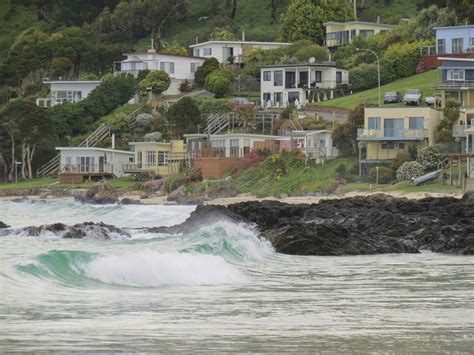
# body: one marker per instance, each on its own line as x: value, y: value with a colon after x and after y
x: 197, y: 40
x: 378, y: 19
x: 113, y: 140
x: 243, y: 36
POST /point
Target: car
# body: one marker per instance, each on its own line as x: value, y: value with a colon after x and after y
x: 434, y: 100
x: 391, y: 97
x: 242, y: 101
x: 412, y: 96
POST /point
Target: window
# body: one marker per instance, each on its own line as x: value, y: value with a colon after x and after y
x: 196, y: 52
x: 227, y: 54
x: 471, y: 44
x: 278, y: 78
x: 167, y: 67
x: 319, y: 76
x: 366, y: 33
x: 266, y: 97
x: 86, y: 164
x: 393, y: 127
x: 455, y: 74
x: 293, y: 96
x: 278, y: 98
x: 388, y: 145
x: 234, y: 147
x: 416, y: 123
x: 338, y: 77
x: 457, y: 45
x: 219, y: 147
x: 353, y: 34
x: 162, y: 158
x: 441, y: 46
x: 267, y: 75
x: 207, y: 51
x: 150, y: 158
x: 194, y: 66
x: 401, y: 146
x: 374, y: 122
x: 246, y: 146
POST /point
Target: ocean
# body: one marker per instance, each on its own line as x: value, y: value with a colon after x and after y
x: 220, y: 288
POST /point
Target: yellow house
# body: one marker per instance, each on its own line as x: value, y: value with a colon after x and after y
x: 340, y: 33
x: 390, y: 130
x: 156, y: 158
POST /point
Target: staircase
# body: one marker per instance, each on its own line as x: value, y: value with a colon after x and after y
x: 216, y: 122
x: 266, y: 119
x: 295, y: 125
x: 101, y: 133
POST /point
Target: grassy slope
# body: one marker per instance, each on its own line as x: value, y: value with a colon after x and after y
x: 123, y: 183
x: 423, y: 81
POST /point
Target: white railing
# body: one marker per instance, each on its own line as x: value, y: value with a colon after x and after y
x: 86, y: 168
x: 392, y: 134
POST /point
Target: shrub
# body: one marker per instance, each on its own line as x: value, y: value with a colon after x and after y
x: 143, y: 119
x: 402, y: 157
x: 209, y: 65
x: 428, y: 158
x: 385, y: 174
x: 254, y: 158
x: 409, y: 171
x: 185, y: 116
x: 172, y: 182
x: 209, y: 105
x: 157, y: 80
x: 219, y: 82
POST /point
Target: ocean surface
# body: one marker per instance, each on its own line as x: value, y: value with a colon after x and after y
x: 220, y: 288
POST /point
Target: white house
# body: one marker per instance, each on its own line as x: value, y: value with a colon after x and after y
x: 62, y: 91
x: 316, y: 144
x: 237, y: 50
x: 179, y: 67
x: 235, y: 145
x: 301, y: 83
x: 80, y: 163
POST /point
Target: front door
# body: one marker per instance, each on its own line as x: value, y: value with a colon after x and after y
x: 139, y: 159
x: 101, y: 164
x: 393, y: 127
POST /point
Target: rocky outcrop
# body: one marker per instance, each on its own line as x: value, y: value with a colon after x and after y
x: 3, y: 225
x: 130, y: 201
x: 352, y: 226
x: 88, y: 230
x: 101, y: 194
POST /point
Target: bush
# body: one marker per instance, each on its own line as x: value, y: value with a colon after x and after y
x: 219, y: 82
x: 157, y: 80
x: 172, y: 182
x: 409, y: 171
x: 185, y: 116
x: 428, y: 158
x: 386, y: 174
x: 341, y: 171
x: 402, y: 157
x: 403, y: 57
x: 209, y: 65
x: 254, y: 158
x: 209, y: 105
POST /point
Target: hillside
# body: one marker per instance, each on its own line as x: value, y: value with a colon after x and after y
x: 423, y: 81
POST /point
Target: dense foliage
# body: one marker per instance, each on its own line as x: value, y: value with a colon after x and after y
x: 156, y: 81
x: 184, y: 117
x: 219, y: 82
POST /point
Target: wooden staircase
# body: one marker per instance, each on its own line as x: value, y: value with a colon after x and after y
x: 100, y: 134
x: 217, y: 122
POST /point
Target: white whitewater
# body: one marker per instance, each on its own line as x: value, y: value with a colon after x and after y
x: 218, y: 289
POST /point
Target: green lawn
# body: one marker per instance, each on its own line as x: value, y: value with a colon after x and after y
x: 123, y: 183
x: 423, y: 81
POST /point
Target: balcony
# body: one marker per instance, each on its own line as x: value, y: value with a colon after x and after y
x: 460, y: 130
x: 455, y: 84
x: 364, y: 134
x: 442, y: 50
x: 87, y: 169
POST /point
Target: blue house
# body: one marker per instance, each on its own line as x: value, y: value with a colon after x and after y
x: 454, y: 39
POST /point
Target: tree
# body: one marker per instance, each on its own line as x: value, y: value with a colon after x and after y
x: 157, y: 81
x: 345, y: 135
x: 232, y: 4
x: 319, y: 53
x: 174, y: 48
x: 185, y: 116
x: 209, y: 65
x: 304, y: 19
x: 222, y: 34
x: 219, y: 82
x: 450, y: 115
x: 24, y: 130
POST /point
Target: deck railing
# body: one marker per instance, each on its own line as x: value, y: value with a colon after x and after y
x: 86, y: 169
x: 392, y: 134
x: 454, y: 84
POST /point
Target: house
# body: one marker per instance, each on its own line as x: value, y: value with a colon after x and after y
x: 62, y: 91
x: 299, y: 84
x: 341, y: 33
x: 390, y: 130
x: 78, y: 164
x: 179, y: 67
x: 457, y: 82
x: 235, y: 50
x: 316, y: 145
x: 470, y: 151
x: 218, y: 153
x: 452, y: 42
x: 156, y: 158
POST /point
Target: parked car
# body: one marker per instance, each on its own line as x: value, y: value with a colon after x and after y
x: 433, y: 100
x: 412, y: 96
x: 391, y: 97
x: 242, y: 101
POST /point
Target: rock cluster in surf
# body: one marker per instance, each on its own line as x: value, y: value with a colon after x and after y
x: 352, y: 226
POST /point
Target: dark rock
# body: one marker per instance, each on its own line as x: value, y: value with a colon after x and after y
x: 468, y: 196
x: 3, y: 225
x: 179, y: 193
x: 101, y: 194
x: 129, y: 201
x: 21, y: 199
x: 352, y: 226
